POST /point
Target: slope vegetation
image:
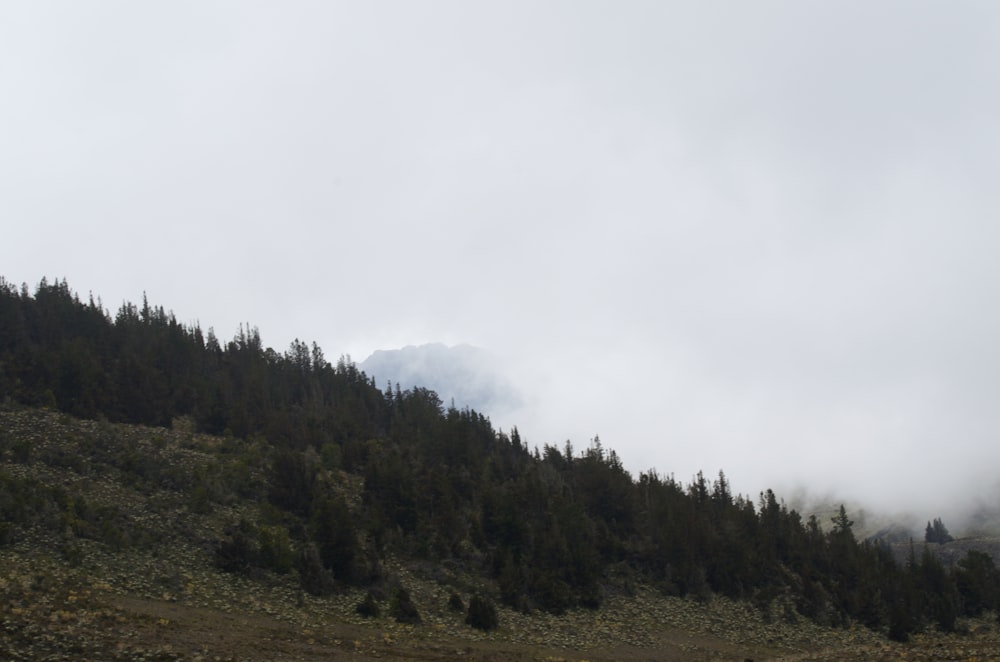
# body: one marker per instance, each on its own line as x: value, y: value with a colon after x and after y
x: 107, y: 557
x: 157, y: 444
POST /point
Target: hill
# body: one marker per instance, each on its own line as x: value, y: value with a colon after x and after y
x: 175, y: 461
x: 118, y: 558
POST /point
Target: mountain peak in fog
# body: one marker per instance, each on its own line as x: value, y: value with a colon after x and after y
x: 470, y: 376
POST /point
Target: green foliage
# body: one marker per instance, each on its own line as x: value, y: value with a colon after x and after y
x: 937, y: 532
x: 21, y: 451
x: 336, y: 539
x: 938, y: 592
x: 842, y: 523
x: 292, y: 481
x: 455, y: 602
x: 26, y: 501
x: 978, y: 583
x: 331, y: 456
x: 368, y: 607
x: 106, y: 524
x: 313, y: 576
x: 403, y: 609
x: 275, y: 549
x: 238, y: 553
x: 482, y: 614
x: 200, y: 500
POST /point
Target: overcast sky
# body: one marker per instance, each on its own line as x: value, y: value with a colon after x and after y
x: 756, y: 236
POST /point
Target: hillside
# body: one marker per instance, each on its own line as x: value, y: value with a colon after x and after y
x: 117, y: 558
x: 162, y: 460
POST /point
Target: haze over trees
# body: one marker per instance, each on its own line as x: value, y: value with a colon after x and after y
x: 551, y: 528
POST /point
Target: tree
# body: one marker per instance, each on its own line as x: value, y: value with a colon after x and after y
x: 313, y: 577
x: 978, y: 583
x: 237, y: 554
x: 842, y: 524
x: 939, y: 593
x: 335, y: 537
x: 368, y: 607
x: 293, y: 479
x: 937, y: 532
x: 403, y: 609
x: 482, y: 613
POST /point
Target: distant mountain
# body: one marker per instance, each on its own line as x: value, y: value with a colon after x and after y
x: 469, y: 376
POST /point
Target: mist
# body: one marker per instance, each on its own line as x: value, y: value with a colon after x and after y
x: 757, y: 239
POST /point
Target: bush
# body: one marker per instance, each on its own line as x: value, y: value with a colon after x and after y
x: 238, y: 554
x: 591, y: 596
x: 368, y: 607
x: 482, y: 614
x: 403, y: 609
x: 275, y: 549
x: 455, y: 603
x: 313, y: 577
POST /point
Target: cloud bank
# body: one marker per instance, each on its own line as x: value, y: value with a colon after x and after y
x: 759, y: 238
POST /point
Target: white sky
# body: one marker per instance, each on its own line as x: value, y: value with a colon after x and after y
x: 753, y: 236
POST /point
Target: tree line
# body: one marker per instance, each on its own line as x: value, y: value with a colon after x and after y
x: 550, y: 528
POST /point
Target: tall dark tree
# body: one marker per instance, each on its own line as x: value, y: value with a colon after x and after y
x: 937, y: 532
x: 336, y: 539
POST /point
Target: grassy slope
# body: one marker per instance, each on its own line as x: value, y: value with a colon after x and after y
x: 115, y: 562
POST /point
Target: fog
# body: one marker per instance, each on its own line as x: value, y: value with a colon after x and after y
x: 756, y: 237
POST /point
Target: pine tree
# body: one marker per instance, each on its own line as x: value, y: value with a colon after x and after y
x: 937, y: 532
x: 336, y: 538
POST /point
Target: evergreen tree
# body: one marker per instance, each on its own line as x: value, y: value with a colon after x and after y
x: 335, y: 537
x: 978, y: 583
x: 482, y: 613
x: 937, y: 532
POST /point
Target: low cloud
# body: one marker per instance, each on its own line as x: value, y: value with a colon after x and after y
x: 754, y: 239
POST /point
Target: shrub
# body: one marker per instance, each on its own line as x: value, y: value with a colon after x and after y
x: 482, y: 614
x: 238, y: 554
x: 591, y: 596
x: 275, y: 549
x: 200, y: 500
x: 403, y: 609
x: 368, y: 607
x: 313, y: 577
x: 455, y: 603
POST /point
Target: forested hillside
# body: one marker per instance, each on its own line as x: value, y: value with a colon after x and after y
x: 350, y: 474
